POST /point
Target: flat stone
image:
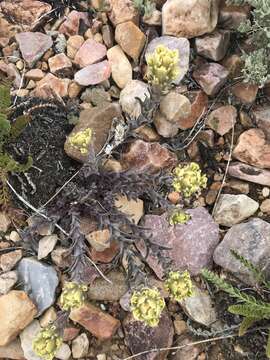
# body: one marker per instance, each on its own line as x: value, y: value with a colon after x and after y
x: 7, y: 281
x: 27, y: 337
x: 249, y: 173
x: 192, y: 244
x: 40, y: 281
x: 252, y: 241
x: 130, y: 38
x: 93, y: 74
x: 199, y: 307
x: 100, y: 324
x: 33, y: 46
x: 89, y: 53
x: 233, y: 209
x: 80, y: 346
x: 99, y: 119
x: 101, y: 290
x: 16, y: 312
x: 12, y: 351
x: 60, y: 65
x: 120, y: 65
x: 9, y: 260
x: 190, y: 18
x: 122, y: 11
x: 223, y: 119
x: 140, y: 337
x: 46, y: 245
x: 143, y: 156
x: 54, y: 84
x: 213, y: 46
x: 253, y: 149
x: 173, y: 43
x: 211, y: 77
x: 128, y: 97
x: 74, y: 20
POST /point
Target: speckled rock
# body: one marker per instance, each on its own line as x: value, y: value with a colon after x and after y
x: 40, y: 281
x: 141, y: 338
x: 192, y: 244
x: 7, y: 281
x: 251, y: 240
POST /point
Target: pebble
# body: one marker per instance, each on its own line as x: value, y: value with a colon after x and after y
x: 73, y: 45
x: 265, y: 206
x: 7, y: 281
x: 60, y: 65
x: 223, y: 119
x: 128, y: 97
x: 213, y: 46
x: 64, y: 352
x: 80, y: 346
x: 46, y: 245
x: 9, y: 260
x: 249, y: 173
x: 93, y: 74
x: 5, y: 222
x: 122, y: 11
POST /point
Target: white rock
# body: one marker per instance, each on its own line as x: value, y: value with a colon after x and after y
x: 134, y: 89
x: 120, y: 65
x: 64, y: 352
x: 27, y: 336
x: 7, y: 281
x: 46, y: 245
x: 80, y: 346
x: 232, y: 209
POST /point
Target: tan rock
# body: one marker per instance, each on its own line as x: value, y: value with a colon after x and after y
x: 99, y: 239
x: 74, y: 90
x: 147, y: 133
x: 120, y: 65
x: 73, y: 44
x: 100, y: 324
x: 9, y: 260
x: 130, y: 38
x: 175, y: 106
x: 164, y: 127
x: 253, y: 149
x: 155, y: 19
x: 48, y: 317
x: 246, y: 93
x: 60, y: 65
x: 16, y: 312
x: 122, y: 11
x: 222, y: 119
x: 189, y: 18
x: 12, y: 351
x: 59, y: 86
x: 133, y: 209
x: 5, y: 222
x: 107, y: 255
x: 46, y: 245
x: 73, y: 21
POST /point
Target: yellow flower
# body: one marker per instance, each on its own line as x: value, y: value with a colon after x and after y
x: 147, y: 306
x: 73, y: 296
x: 81, y: 140
x: 163, y: 67
x: 179, y: 285
x: 179, y: 217
x: 188, y: 179
x: 47, y: 342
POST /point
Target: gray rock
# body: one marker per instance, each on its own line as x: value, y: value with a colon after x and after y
x: 33, y: 45
x: 80, y: 346
x: 232, y: 209
x: 7, y: 281
x: 251, y: 240
x: 199, y: 307
x: 27, y: 336
x: 100, y: 289
x: 192, y: 244
x: 173, y: 43
x: 141, y: 338
x: 39, y: 281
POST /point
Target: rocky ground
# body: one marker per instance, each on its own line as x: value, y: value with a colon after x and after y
x: 84, y: 65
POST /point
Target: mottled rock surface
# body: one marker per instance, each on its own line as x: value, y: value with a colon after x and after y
x: 133, y: 89
x: 249, y: 173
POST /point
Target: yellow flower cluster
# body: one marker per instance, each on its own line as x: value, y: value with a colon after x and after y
x: 162, y: 67
x: 81, y: 140
x: 47, y: 343
x: 179, y: 217
x: 189, y: 180
x: 179, y: 285
x: 147, y: 306
x: 73, y: 296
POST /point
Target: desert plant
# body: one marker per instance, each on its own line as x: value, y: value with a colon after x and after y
x: 73, y: 295
x: 179, y: 285
x: 251, y: 308
x: 47, y: 342
x: 179, y: 217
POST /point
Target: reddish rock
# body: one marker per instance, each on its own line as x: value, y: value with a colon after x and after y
x: 9, y: 260
x: 213, y: 46
x: 100, y: 324
x: 70, y: 333
x: 24, y: 12
x: 249, y: 173
x: 253, y: 149
x: 60, y: 65
x: 192, y: 244
x: 106, y: 256
x: 199, y: 105
x: 122, y: 11
x: 130, y: 38
x: 58, y: 86
x: 89, y: 53
x: 222, y: 119
x: 93, y: 74
x: 140, y: 337
x: 33, y: 45
x: 211, y: 77
x: 72, y: 24
x: 143, y: 156
x: 262, y: 118
x: 230, y: 16
x: 246, y: 93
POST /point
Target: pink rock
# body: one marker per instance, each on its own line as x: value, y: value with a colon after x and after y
x: 60, y: 65
x: 246, y: 93
x: 72, y: 25
x: 58, y: 86
x: 93, y: 74
x: 192, y: 244
x: 89, y: 53
x: 222, y: 119
x: 253, y: 149
x: 33, y: 45
x: 143, y: 156
x: 262, y: 118
x: 211, y: 77
x: 250, y: 173
x: 213, y: 46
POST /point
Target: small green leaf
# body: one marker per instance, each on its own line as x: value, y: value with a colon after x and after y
x: 250, y: 310
x: 246, y: 324
x: 268, y: 346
